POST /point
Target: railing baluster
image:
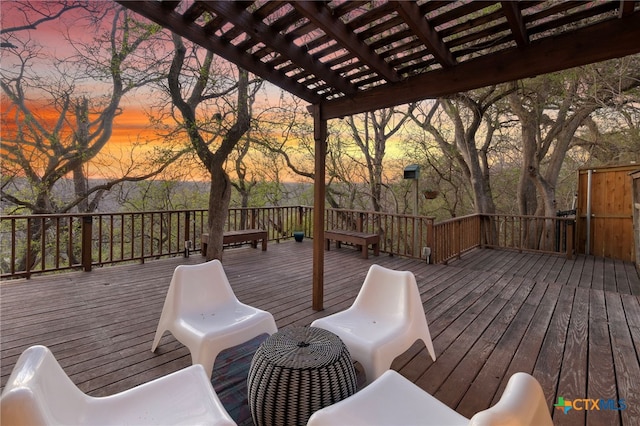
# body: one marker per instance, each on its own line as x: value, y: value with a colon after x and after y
x: 86, y: 252
x: 13, y: 246
x: 29, y: 254
x: 100, y: 236
x: 57, y: 244
x: 111, y: 238
x: 43, y: 244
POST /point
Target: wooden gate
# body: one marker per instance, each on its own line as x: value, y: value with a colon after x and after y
x: 604, y: 212
x: 635, y: 176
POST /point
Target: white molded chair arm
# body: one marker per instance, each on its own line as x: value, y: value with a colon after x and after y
x: 522, y: 404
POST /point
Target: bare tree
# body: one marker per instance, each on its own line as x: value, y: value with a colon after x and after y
x: 214, y: 130
x: 371, y: 136
x: 468, y: 145
x: 26, y: 16
x: 611, y: 135
x: 53, y: 126
x: 45, y: 149
x: 551, y: 109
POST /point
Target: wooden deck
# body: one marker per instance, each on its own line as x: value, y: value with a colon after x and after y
x: 575, y: 325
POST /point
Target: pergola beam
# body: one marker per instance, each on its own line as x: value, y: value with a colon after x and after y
x: 611, y: 39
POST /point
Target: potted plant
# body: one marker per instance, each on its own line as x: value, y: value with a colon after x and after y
x: 430, y: 194
x: 298, y: 232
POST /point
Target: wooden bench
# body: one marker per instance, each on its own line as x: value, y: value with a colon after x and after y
x: 358, y: 238
x: 241, y: 236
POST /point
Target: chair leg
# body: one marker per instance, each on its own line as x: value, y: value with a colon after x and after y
x: 429, y: 345
x: 205, y: 354
x: 156, y: 339
x: 372, y: 370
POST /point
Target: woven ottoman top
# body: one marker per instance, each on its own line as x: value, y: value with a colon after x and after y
x: 297, y: 371
x: 303, y: 347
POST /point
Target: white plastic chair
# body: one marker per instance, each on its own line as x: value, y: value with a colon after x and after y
x: 203, y: 313
x: 386, y: 318
x: 39, y: 392
x: 393, y: 400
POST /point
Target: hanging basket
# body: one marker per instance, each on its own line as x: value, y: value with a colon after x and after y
x: 430, y: 195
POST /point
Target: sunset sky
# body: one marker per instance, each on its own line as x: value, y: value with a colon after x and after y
x: 51, y: 37
x: 132, y: 126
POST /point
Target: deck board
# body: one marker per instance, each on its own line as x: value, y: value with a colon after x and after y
x: 573, y: 324
x: 525, y: 357
x: 601, y: 372
x: 597, y: 277
x: 487, y: 382
x: 609, y: 275
x: 625, y: 358
x: 499, y: 315
x: 634, y: 279
x: 549, y: 360
x: 573, y: 378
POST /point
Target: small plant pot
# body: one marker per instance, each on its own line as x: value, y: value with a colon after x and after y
x: 299, y: 236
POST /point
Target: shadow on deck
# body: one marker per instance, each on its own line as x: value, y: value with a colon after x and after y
x: 574, y: 325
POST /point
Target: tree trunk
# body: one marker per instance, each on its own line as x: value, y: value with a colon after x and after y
x: 219, y: 198
x: 527, y: 197
x: 220, y: 191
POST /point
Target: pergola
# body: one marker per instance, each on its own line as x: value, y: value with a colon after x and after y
x: 348, y: 57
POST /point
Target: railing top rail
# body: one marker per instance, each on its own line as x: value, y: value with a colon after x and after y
x: 26, y: 216
x: 45, y: 215
x: 20, y: 216
x: 383, y: 213
x: 458, y: 218
x: 567, y: 218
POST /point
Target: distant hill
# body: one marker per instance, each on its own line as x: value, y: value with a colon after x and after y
x: 182, y: 195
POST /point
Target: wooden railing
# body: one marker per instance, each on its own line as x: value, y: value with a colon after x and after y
x: 402, y: 235
x: 48, y: 243
x: 455, y: 236
x: 529, y: 233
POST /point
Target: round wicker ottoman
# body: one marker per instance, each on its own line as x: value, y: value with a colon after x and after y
x: 296, y: 372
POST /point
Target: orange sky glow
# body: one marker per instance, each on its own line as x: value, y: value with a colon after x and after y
x: 131, y: 126
x: 133, y: 133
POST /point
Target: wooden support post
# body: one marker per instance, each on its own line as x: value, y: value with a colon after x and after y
x: 570, y: 238
x: 300, y: 220
x: 430, y: 241
x: 319, y: 136
x: 29, y: 246
x: 87, y: 229
x: 458, y: 233
x: 254, y: 217
x: 187, y: 234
